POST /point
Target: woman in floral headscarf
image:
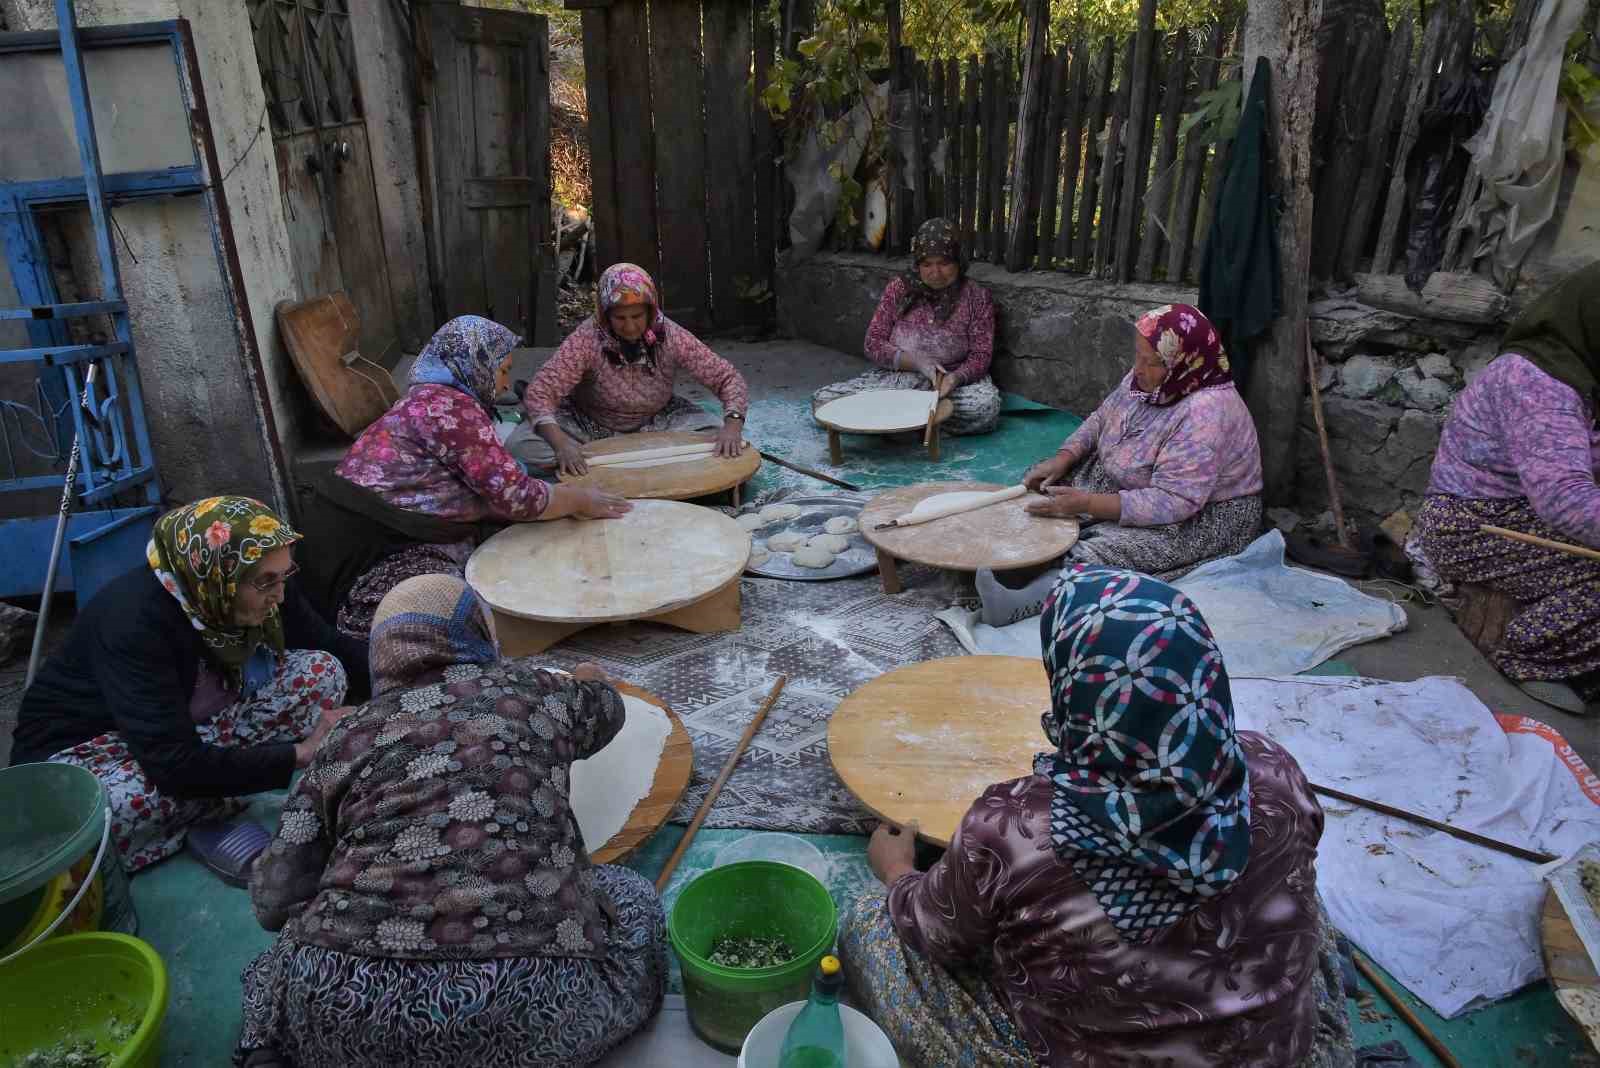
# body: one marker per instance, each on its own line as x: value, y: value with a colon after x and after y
x: 934, y: 329
x: 193, y: 681
x: 422, y: 486
x: 1168, y: 467
x: 434, y: 896
x: 1146, y: 896
x: 615, y: 375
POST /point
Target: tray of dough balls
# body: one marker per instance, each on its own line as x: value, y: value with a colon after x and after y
x: 808, y: 538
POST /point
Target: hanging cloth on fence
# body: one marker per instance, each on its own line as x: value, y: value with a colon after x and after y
x: 1240, y: 290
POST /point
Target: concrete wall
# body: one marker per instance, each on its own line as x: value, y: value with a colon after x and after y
x: 1059, y: 339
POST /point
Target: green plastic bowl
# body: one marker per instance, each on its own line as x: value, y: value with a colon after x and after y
x: 109, y: 989
x: 750, y: 899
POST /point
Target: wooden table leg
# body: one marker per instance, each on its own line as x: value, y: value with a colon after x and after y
x: 525, y: 637
x: 889, y: 572
x: 736, y: 496
x: 835, y: 453
x: 712, y: 615
x: 933, y: 444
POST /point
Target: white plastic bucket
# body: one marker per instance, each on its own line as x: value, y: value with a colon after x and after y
x: 865, y: 1044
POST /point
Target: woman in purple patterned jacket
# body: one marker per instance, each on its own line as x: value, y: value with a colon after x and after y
x: 1147, y: 896
x: 1520, y: 450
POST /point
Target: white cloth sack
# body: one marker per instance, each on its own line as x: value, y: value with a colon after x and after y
x: 1456, y: 923
x: 1268, y: 618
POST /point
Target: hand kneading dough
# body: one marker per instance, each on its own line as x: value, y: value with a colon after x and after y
x: 841, y: 524
x: 752, y: 521
x: 772, y: 513
x: 605, y: 788
x: 833, y: 543
x: 758, y: 557
x: 785, y: 541
x: 812, y: 556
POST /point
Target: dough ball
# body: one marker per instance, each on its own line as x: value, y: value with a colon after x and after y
x: 786, y: 541
x: 812, y: 556
x: 841, y: 524
x: 758, y: 556
x: 752, y: 521
x: 832, y: 543
x: 774, y: 513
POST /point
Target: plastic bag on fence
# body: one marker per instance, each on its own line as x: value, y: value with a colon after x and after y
x: 1439, y: 166
x: 811, y: 172
x: 1519, y: 149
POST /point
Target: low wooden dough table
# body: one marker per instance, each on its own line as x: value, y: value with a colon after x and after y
x: 1002, y: 536
x: 923, y: 741
x: 947, y: 408
x: 672, y: 779
x: 664, y: 561
x: 684, y: 481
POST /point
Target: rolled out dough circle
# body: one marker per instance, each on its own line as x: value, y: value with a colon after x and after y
x: 604, y: 789
x: 832, y: 543
x: 773, y: 513
x: 752, y: 521
x: 785, y: 541
x: 879, y: 409
x: 812, y: 556
x: 841, y: 524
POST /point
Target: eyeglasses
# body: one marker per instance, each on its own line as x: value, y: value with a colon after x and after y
x: 269, y: 585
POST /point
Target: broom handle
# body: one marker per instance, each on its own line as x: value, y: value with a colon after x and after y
x: 1543, y: 543
x: 716, y: 787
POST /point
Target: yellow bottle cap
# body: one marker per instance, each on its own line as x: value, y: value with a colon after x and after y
x: 829, y: 965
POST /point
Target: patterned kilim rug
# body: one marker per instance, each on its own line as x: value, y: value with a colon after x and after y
x: 828, y: 637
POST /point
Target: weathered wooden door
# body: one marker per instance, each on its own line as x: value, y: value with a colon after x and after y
x: 319, y: 132
x: 491, y: 152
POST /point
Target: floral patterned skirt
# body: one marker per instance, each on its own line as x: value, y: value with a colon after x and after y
x: 977, y: 404
x: 1556, y: 632
x: 941, y: 1018
x: 146, y: 824
x: 320, y: 1008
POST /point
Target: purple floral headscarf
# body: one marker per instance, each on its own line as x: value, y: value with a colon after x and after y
x: 466, y: 354
x: 1189, y: 347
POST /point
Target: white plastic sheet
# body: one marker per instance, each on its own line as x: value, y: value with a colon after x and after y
x: 1456, y: 923
x: 1268, y: 618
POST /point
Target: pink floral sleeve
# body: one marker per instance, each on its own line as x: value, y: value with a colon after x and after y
x: 464, y: 440
x: 979, y: 313
x: 880, y: 332
x: 712, y: 371
x: 1185, y: 473
x: 560, y: 375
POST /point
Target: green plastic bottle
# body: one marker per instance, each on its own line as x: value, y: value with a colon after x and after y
x: 816, y: 1038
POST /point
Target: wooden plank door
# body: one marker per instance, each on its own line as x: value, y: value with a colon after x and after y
x: 491, y: 129
x: 319, y: 132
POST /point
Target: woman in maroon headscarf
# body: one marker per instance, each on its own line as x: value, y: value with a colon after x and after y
x: 1168, y: 466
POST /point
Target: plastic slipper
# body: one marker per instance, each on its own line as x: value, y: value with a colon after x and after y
x: 1312, y: 551
x: 1556, y: 695
x: 229, y: 849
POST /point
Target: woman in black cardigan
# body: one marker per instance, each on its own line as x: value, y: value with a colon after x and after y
x: 190, y: 683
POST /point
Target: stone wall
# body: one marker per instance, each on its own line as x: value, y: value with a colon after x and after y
x: 1060, y: 339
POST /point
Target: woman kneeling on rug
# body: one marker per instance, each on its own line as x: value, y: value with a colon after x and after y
x: 1147, y: 896
x: 1168, y: 465
x: 1520, y: 451
x: 434, y: 896
x: 428, y: 481
x: 932, y: 323
x: 614, y: 375
x: 192, y: 682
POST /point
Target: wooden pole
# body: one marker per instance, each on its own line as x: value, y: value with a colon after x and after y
x: 781, y: 462
x: 1412, y: 1020
x: 1284, y: 32
x: 1520, y: 852
x: 716, y: 787
x: 1334, y: 499
x: 1543, y: 543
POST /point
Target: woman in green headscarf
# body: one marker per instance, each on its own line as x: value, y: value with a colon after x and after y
x: 1519, y: 451
x: 193, y: 680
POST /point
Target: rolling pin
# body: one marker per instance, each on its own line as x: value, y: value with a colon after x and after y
x: 912, y: 518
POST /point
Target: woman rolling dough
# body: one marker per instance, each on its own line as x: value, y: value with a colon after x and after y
x: 614, y: 375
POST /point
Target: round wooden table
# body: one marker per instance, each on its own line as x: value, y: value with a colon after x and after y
x: 699, y: 477
x: 672, y: 779
x: 664, y: 561
x: 835, y: 428
x: 923, y: 741
x: 1002, y: 536
x: 1567, y: 963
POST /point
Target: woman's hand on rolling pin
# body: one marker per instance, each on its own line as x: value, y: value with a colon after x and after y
x: 591, y: 503
x: 1046, y: 472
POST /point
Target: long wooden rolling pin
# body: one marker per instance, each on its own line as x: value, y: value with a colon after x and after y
x: 1543, y: 543
x: 696, y: 449
x: 912, y: 518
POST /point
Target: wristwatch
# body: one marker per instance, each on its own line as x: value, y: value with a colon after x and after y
x: 735, y: 415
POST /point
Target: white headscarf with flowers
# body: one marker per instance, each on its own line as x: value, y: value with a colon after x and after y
x: 200, y: 553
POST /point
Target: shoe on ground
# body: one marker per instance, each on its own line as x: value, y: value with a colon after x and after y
x: 1556, y: 695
